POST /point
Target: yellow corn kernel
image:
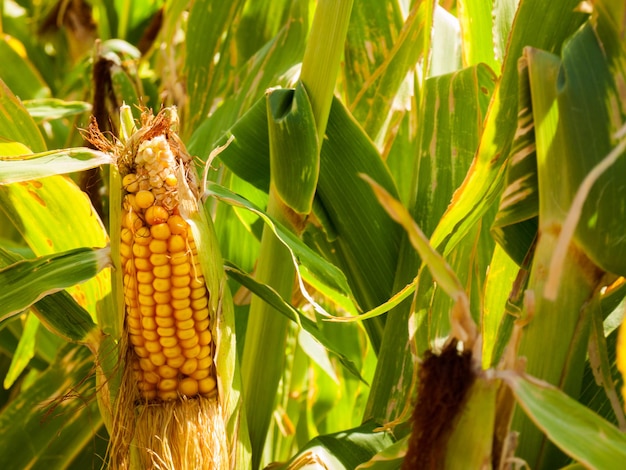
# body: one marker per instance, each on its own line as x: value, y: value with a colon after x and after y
x: 200, y: 315
x: 152, y: 378
x: 146, y: 364
x: 205, y: 350
x: 159, y: 259
x: 176, y: 244
x: 177, y: 225
x: 176, y: 362
x: 167, y: 372
x: 145, y: 277
x: 147, y: 310
x: 179, y: 258
x: 145, y: 299
x: 161, y: 231
x: 158, y: 358
x: 144, y: 199
x: 168, y: 342
x: 181, y: 292
x: 126, y: 236
x: 145, y: 289
x: 158, y: 246
x: 172, y: 352
x: 185, y: 324
x: 150, y: 335
x: 162, y: 297
x: 142, y: 264
x: 188, y: 386
x: 165, y: 331
x: 207, y: 385
x: 132, y: 221
x: 163, y: 310
x: 181, y: 281
x: 185, y: 334
x: 193, y: 352
x: 204, y: 337
x: 165, y: 321
x: 163, y: 272
x: 199, y: 304
x: 142, y: 236
x: 156, y: 215
x: 189, y: 366
x: 181, y: 269
x: 202, y: 325
x: 168, y: 384
x: 161, y: 285
x: 201, y: 374
x: 141, y: 251
x: 180, y: 304
x: 129, y: 183
x: 152, y: 347
x: 189, y: 343
x: 198, y: 292
x: 148, y: 323
x: 125, y: 250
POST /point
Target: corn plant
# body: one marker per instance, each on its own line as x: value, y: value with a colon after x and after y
x: 313, y: 234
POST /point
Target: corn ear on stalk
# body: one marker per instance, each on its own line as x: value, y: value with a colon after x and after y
x: 167, y: 413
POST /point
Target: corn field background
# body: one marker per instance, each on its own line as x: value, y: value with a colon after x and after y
x: 394, y: 185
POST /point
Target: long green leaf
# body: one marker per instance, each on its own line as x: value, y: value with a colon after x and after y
x: 16, y: 125
x: 27, y: 281
x: 577, y: 431
x: 207, y: 34
x: 344, y: 450
x: 294, y: 156
x: 284, y: 308
x: 24, y: 352
x: 324, y: 271
x: 534, y: 25
x: 56, y: 415
x: 57, y: 162
x: 53, y: 215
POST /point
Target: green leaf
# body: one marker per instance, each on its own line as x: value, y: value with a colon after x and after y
x: 324, y: 271
x: 534, y: 25
x: 516, y: 223
x: 390, y: 458
x: 47, y: 109
x: 502, y: 274
x: 271, y: 66
x: 294, y: 151
x: 18, y: 73
x: 16, y: 125
x: 24, y: 352
x: 374, y: 26
x: 477, y: 31
x: 207, y: 36
x: 57, y: 162
x: 343, y: 450
x: 411, y: 44
x: 446, y: 47
x: 40, y: 210
x: 27, y: 281
x: 54, y: 415
x: 283, y: 307
x: 576, y: 430
x: 447, y: 143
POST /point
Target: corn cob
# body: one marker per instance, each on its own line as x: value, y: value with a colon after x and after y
x: 164, y: 290
x: 167, y: 411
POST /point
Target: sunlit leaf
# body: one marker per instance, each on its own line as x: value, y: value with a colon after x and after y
x: 568, y: 424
